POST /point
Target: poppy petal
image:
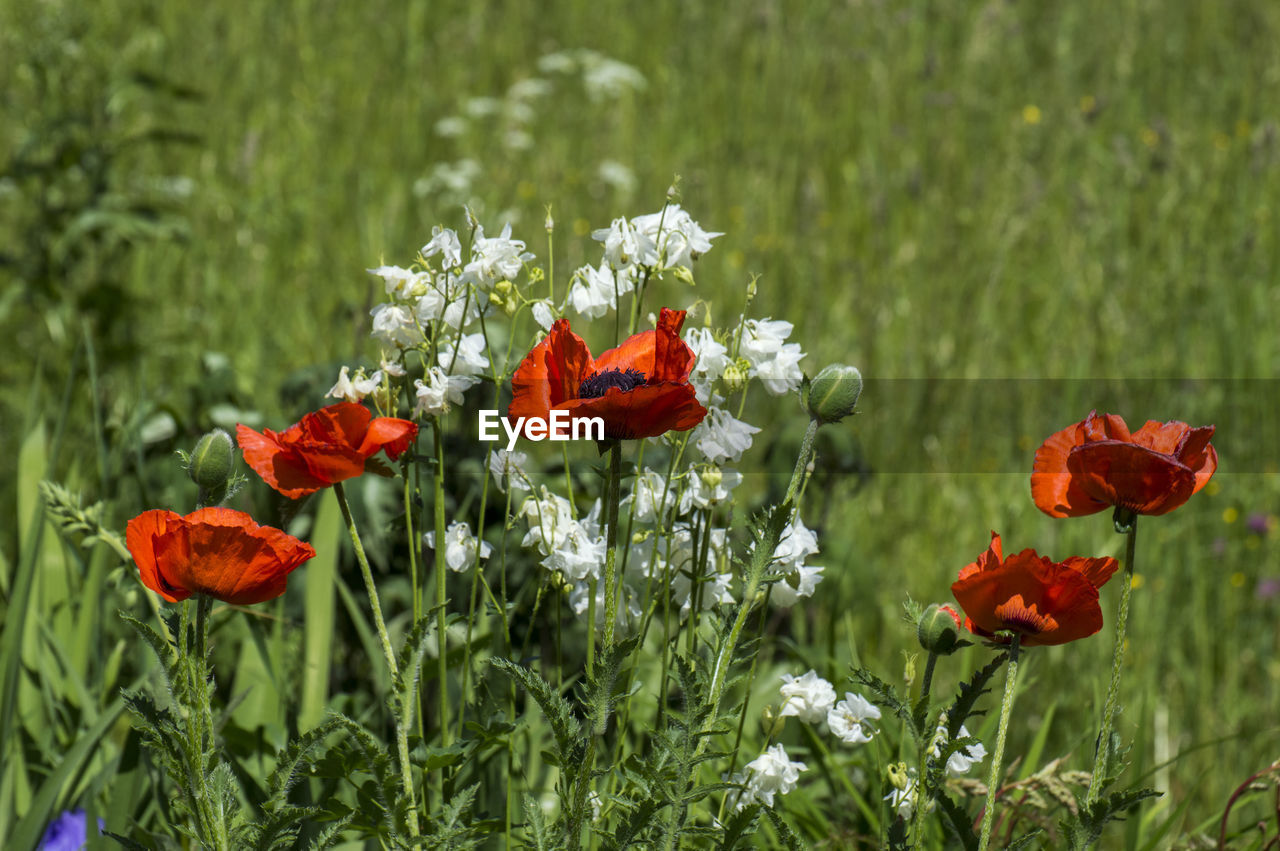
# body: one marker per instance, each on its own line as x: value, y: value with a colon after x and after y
x: 282, y: 468
x: 141, y: 535
x: 1096, y: 570
x: 646, y: 411
x: 550, y: 374
x: 1055, y: 491
x: 1143, y: 480
x: 389, y: 433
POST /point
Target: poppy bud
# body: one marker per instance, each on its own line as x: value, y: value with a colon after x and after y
x: 939, y: 630
x: 834, y: 393
x: 209, y: 465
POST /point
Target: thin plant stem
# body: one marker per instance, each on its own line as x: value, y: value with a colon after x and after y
x: 442, y: 637
x: 1096, y: 778
x: 402, y: 731
x: 993, y: 779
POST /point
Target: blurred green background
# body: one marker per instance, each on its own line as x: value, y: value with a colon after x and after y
x: 964, y: 200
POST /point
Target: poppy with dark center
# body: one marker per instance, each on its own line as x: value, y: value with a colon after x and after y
x: 1044, y: 601
x: 325, y: 447
x: 640, y: 389
x: 218, y: 552
x: 1095, y: 464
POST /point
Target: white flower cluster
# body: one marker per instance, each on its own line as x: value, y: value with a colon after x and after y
x: 634, y: 249
x: 812, y: 699
x: 772, y: 773
x: 799, y: 579
x: 775, y: 362
x: 436, y: 299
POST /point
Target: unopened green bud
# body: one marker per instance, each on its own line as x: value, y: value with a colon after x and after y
x: 834, y: 392
x: 712, y: 477
x: 909, y: 668
x: 899, y: 777
x: 684, y: 275
x: 735, y: 375
x: 771, y: 723
x: 211, y: 461
x: 939, y: 630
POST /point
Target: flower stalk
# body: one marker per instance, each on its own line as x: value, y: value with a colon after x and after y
x: 1127, y: 523
x: 997, y: 759
x: 402, y: 729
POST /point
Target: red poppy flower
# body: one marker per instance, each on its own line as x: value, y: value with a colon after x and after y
x: 639, y: 389
x: 1095, y: 464
x: 215, y: 551
x: 326, y: 447
x: 1045, y: 601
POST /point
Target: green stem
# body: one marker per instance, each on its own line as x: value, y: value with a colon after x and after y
x: 442, y: 638
x: 402, y: 731
x: 928, y: 676
x: 993, y: 779
x: 1103, y: 750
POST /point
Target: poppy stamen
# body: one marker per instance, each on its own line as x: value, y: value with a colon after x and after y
x: 1019, y: 617
x: 596, y: 385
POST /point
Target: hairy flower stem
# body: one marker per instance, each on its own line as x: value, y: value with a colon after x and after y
x: 993, y: 779
x: 199, y: 716
x: 1103, y: 750
x: 613, y: 495
x: 402, y: 731
x: 757, y: 569
x: 442, y: 637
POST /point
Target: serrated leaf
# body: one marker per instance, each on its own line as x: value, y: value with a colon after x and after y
x: 969, y: 693
x: 785, y: 833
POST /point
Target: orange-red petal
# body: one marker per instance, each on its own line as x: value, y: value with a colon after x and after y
x: 215, y: 551
x: 1045, y: 602
x: 1137, y: 478
x: 1098, y: 463
x: 323, y: 448
x: 550, y: 374
x: 647, y: 411
x: 1053, y: 488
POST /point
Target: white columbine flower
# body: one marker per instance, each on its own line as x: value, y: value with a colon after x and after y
x: 763, y: 338
x: 848, y: 719
x: 712, y: 485
x: 542, y: 314
x: 459, y: 547
x: 508, y: 469
x: 712, y: 356
x: 549, y: 517
x: 653, y: 496
x: 771, y: 773
x: 903, y: 801
x: 393, y: 325
x: 494, y: 258
x: 470, y: 359
x: 781, y: 374
x: 799, y: 582
x: 439, y: 392
x: 629, y: 612
x: 445, y: 242
x: 595, y: 291
x: 624, y: 246
x: 796, y: 543
x: 962, y: 760
x: 721, y: 437
x: 391, y: 367
x: 399, y: 282
x: 808, y: 697
x: 353, y: 390
x: 680, y: 239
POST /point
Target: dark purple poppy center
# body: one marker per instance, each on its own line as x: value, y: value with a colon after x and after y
x: 598, y: 384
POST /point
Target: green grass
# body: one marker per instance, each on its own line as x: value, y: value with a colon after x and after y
x: 949, y: 196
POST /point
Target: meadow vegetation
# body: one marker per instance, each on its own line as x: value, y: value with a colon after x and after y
x: 1005, y: 215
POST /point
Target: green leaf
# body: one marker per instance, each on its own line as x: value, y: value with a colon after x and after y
x: 969, y: 693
